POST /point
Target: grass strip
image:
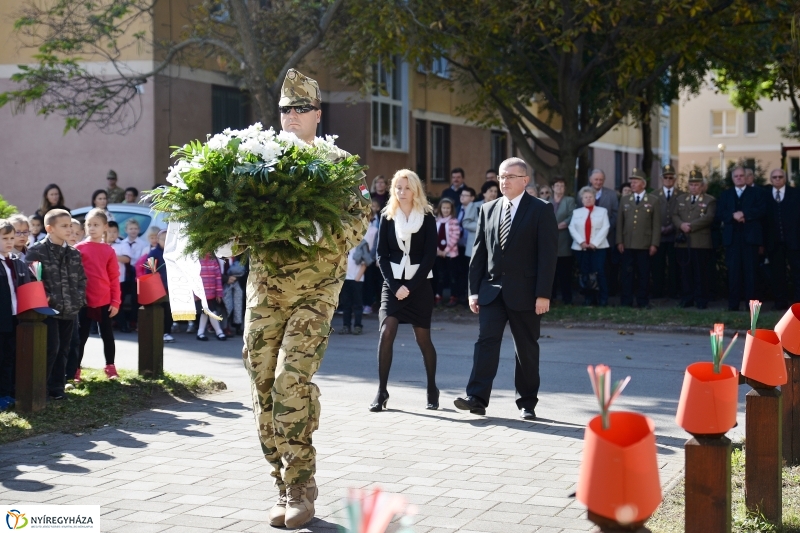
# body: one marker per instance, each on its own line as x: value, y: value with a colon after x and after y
x: 670, y: 517
x: 97, y: 401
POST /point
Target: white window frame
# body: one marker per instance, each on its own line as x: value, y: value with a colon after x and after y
x: 402, y: 103
x: 755, y: 124
x: 724, y: 123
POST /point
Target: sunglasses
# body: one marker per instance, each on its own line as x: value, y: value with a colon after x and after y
x: 301, y: 109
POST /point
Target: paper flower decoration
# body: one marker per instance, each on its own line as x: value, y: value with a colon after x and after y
x: 755, y: 309
x: 371, y: 512
x: 716, y: 345
x: 600, y: 377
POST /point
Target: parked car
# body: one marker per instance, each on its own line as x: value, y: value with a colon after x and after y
x: 122, y: 212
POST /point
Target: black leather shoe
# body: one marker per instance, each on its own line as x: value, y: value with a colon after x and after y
x: 527, y: 414
x: 471, y: 404
x: 433, y: 401
x: 380, y: 401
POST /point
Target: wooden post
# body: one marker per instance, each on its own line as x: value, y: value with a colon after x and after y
x: 791, y: 411
x: 606, y: 525
x: 708, y: 485
x: 151, y: 339
x: 764, y: 461
x: 31, y: 378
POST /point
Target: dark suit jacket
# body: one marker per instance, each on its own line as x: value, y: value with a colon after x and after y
x: 789, y: 214
x: 754, y: 208
x: 422, y: 252
x: 23, y: 276
x: 526, y: 269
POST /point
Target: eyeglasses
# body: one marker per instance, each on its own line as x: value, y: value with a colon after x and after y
x: 301, y: 109
x: 510, y: 176
x: 21, y: 233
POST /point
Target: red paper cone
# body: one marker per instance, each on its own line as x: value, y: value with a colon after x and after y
x: 32, y: 296
x: 619, y: 472
x: 763, y: 358
x: 708, y: 401
x: 788, y: 330
x: 150, y: 288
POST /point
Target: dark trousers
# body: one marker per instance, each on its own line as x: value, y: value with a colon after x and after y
x: 779, y: 256
x: 168, y: 317
x: 635, y: 264
x: 106, y: 333
x: 741, y: 259
x: 373, y: 280
x: 525, y: 327
x: 564, y: 268
x: 59, y: 334
x: 74, y: 354
x: 460, y: 274
x: 130, y: 316
x: 590, y: 261
x: 8, y: 360
x: 694, y: 274
x: 351, y: 301
x: 665, y: 271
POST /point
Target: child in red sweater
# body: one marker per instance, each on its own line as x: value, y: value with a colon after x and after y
x: 102, y: 288
x: 211, y: 275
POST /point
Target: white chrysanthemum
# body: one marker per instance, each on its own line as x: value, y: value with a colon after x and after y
x: 327, y: 143
x: 219, y: 141
x: 174, y: 177
x: 288, y: 139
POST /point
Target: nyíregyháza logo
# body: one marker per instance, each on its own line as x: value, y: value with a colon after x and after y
x: 16, y: 519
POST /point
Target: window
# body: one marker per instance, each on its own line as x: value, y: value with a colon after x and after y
x: 421, y: 138
x: 723, y: 123
x: 750, y: 123
x: 665, y: 144
x: 389, y: 102
x: 440, y: 152
x: 441, y: 68
x: 618, y: 168
x: 228, y: 109
x: 499, y: 148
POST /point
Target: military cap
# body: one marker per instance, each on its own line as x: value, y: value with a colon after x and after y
x: 667, y: 169
x: 299, y: 90
x: 111, y: 175
x: 695, y: 176
x: 637, y: 174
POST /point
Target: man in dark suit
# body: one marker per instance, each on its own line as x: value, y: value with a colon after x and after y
x: 455, y: 189
x: 608, y: 199
x: 781, y: 238
x: 510, y: 281
x: 741, y: 211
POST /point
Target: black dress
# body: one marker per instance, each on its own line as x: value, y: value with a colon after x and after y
x: 416, y: 309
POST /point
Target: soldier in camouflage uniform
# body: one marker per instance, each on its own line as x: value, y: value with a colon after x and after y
x: 114, y: 194
x: 287, y: 324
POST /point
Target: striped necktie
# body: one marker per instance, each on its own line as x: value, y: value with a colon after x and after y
x: 505, y: 226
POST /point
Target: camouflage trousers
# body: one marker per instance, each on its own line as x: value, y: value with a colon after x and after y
x: 284, y: 346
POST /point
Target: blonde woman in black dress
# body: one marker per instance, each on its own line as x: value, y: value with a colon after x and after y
x: 406, y: 253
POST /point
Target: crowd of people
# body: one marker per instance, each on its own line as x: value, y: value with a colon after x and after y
x: 89, y: 271
x: 636, y: 244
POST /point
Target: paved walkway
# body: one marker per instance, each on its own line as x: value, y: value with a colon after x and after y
x: 196, y: 466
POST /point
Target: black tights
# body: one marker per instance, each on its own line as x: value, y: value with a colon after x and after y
x: 386, y: 346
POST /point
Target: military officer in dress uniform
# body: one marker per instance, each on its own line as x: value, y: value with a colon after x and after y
x: 694, y: 214
x: 638, y: 237
x: 665, y: 270
x: 287, y: 325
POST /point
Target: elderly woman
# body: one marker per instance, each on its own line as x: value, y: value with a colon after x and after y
x: 563, y: 207
x: 407, y: 245
x: 546, y: 192
x: 589, y: 228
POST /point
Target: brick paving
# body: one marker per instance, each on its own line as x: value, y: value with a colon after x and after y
x: 196, y: 467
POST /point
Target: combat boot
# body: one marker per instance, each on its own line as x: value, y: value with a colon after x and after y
x: 300, y: 503
x: 278, y: 512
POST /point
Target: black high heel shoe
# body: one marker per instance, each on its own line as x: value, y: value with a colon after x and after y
x: 433, y: 401
x: 380, y: 401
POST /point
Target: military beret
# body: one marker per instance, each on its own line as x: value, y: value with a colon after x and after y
x: 667, y: 169
x: 299, y: 90
x: 695, y: 176
x: 637, y: 174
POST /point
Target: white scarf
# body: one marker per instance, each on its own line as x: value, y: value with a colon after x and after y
x: 404, y: 228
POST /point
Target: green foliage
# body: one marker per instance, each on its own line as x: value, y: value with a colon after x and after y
x: 6, y: 209
x: 268, y: 206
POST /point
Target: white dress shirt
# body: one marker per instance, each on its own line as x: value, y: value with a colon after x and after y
x: 739, y: 191
x: 669, y: 192
x: 775, y: 192
x: 10, y: 279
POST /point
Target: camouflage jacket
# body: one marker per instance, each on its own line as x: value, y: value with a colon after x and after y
x: 63, y: 276
x: 322, y: 276
x: 115, y: 195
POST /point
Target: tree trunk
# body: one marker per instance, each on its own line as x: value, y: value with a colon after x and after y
x: 645, y: 125
x: 584, y: 167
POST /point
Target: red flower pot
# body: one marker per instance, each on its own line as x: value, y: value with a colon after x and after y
x: 32, y: 296
x: 763, y: 358
x: 788, y: 330
x: 150, y: 288
x: 708, y: 401
x: 619, y: 472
